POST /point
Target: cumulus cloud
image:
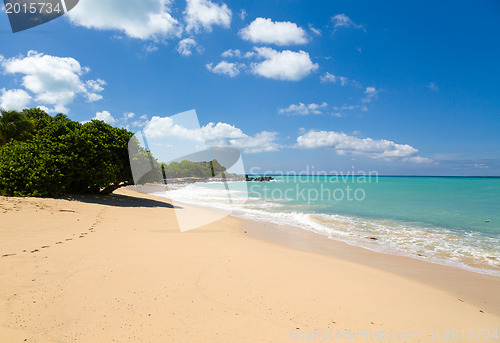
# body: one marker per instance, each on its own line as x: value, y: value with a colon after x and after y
x: 343, y: 21
x: 283, y: 65
x: 217, y: 135
x: 14, y: 99
x: 225, y: 68
x: 222, y: 134
x: 231, y: 53
x: 186, y: 47
x: 162, y: 127
x: 145, y: 19
x: 370, y: 94
x: 303, y: 109
x: 344, y: 144
x: 205, y: 14
x: 54, y: 81
x: 105, y: 116
x: 266, y: 31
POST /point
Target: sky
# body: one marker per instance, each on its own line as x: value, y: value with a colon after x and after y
x: 397, y: 87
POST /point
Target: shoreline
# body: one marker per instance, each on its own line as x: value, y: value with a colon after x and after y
x: 439, y: 275
x: 466, y: 264
x: 98, y: 269
x: 434, y: 274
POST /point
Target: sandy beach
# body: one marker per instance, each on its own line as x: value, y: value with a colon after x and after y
x: 117, y: 269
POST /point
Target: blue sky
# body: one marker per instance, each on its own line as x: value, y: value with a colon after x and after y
x: 396, y: 87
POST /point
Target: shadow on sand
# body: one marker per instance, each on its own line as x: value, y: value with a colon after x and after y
x: 118, y: 200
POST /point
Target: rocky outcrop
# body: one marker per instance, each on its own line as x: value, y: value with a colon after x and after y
x: 259, y: 179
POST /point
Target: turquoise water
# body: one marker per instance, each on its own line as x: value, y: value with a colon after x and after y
x: 448, y: 220
x: 450, y: 202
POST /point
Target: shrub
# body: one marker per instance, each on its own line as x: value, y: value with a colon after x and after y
x: 64, y: 156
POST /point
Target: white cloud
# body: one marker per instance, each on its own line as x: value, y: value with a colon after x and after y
x: 205, y: 14
x: 217, y: 135
x: 250, y: 54
x: 231, y: 53
x: 343, y: 80
x: 149, y: 48
x: 145, y: 19
x: 351, y: 107
x: 343, y: 21
x: 303, y: 109
x: 285, y: 65
x: 266, y: 31
x: 105, y: 116
x: 95, y: 85
x: 43, y: 108
x: 142, y: 122
x: 328, y: 77
x: 159, y: 127
x: 55, y: 81
x: 14, y: 99
x: 314, y: 30
x: 186, y: 46
x: 340, y: 110
x: 225, y: 68
x: 344, y: 144
x: 243, y: 14
x: 222, y: 134
x: 370, y: 94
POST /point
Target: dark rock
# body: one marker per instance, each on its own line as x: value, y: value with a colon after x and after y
x: 259, y: 179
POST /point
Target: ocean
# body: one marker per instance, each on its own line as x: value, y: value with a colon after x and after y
x: 448, y: 220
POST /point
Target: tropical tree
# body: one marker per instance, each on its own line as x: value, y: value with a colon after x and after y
x: 65, y: 157
x: 15, y: 125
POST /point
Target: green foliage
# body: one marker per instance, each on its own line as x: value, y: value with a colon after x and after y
x: 64, y: 156
x: 193, y: 169
x: 145, y: 166
x: 15, y: 125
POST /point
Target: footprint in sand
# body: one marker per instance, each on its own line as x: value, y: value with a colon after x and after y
x: 59, y: 242
x: 69, y: 239
x: 7, y: 255
x: 46, y: 246
x: 36, y: 250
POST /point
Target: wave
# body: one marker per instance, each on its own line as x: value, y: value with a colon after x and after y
x: 468, y: 250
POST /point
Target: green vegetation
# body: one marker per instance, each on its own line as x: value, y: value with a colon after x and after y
x: 193, y: 169
x: 15, y: 125
x: 42, y: 155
